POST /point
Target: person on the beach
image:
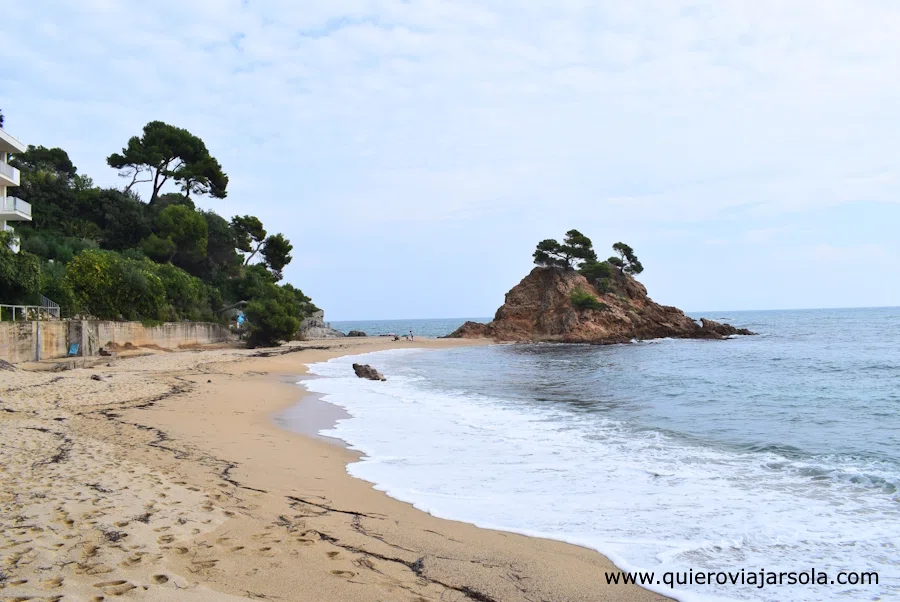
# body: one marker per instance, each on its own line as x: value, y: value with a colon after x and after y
x: 410, y: 335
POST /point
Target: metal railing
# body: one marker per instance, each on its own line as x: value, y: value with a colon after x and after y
x: 47, y: 310
x: 50, y: 307
x: 11, y: 203
x: 10, y: 172
x: 24, y: 313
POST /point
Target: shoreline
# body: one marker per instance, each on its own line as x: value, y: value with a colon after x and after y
x: 168, y: 478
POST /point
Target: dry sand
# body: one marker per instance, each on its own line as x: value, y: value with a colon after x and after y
x: 167, y: 479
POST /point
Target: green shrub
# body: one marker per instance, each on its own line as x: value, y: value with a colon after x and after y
x: 604, y: 285
x: 186, y: 295
x: 20, y: 273
x: 595, y: 270
x: 108, y: 286
x: 585, y: 300
x: 271, y: 321
x: 55, y: 287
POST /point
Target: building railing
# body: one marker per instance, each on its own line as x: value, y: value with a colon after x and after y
x: 10, y: 172
x: 12, y: 141
x: 11, y: 203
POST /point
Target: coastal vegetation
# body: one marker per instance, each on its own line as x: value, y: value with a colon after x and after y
x: 572, y: 297
x: 583, y: 299
x: 576, y: 252
x: 105, y: 253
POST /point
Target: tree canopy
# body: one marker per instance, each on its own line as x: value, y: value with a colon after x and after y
x: 102, y: 252
x: 165, y: 152
x: 575, y: 249
x: 577, y: 252
x: 625, y: 259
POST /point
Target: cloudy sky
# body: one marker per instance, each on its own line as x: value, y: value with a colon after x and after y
x: 415, y: 151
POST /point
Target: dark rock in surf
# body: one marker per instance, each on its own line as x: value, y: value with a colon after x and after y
x: 367, y: 371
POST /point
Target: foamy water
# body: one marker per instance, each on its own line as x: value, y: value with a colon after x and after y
x: 442, y: 435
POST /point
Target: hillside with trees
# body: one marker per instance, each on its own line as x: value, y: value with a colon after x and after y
x: 572, y: 297
x: 107, y: 253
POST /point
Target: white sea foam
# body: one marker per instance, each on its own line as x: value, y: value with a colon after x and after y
x: 645, y: 500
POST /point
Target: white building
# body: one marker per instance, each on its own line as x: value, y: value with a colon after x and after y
x: 12, y: 208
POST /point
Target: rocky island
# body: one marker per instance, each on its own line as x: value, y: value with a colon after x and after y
x: 571, y: 297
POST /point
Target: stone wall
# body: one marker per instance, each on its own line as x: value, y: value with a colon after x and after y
x: 30, y: 341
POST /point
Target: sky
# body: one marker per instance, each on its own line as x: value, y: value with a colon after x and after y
x: 415, y: 151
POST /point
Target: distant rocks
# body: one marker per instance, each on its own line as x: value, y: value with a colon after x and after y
x: 716, y: 330
x: 315, y: 327
x: 541, y: 309
x: 356, y: 333
x: 367, y: 371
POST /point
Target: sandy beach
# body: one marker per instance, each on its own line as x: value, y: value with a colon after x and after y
x: 166, y: 477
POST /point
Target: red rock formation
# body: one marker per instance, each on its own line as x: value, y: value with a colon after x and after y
x: 540, y: 308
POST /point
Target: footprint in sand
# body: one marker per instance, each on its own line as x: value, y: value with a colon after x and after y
x: 52, y: 583
x: 333, y: 555
x: 115, y: 588
x: 347, y: 574
x: 166, y: 539
x: 305, y: 542
x: 159, y: 579
x: 205, y: 564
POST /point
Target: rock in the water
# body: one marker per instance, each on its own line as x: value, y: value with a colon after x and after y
x: 716, y: 330
x: 367, y: 371
x: 356, y: 333
x: 541, y: 308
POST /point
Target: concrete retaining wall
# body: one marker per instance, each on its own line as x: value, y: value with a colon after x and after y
x: 29, y: 341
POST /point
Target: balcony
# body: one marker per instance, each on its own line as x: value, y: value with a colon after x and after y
x: 9, y: 175
x: 13, y: 209
x: 8, y: 144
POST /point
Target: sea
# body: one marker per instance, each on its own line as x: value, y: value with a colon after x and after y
x: 777, y: 453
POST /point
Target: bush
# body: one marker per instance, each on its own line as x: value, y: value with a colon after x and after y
x: 585, y: 300
x: 108, y: 286
x: 186, y: 295
x: 20, y: 273
x: 55, y: 287
x: 595, y: 270
x: 271, y: 321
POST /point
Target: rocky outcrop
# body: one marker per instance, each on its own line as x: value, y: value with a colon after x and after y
x: 711, y: 329
x: 367, y: 371
x: 541, y: 308
x: 315, y: 327
x: 356, y: 333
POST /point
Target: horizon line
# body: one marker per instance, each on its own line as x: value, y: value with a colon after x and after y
x: 688, y: 312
